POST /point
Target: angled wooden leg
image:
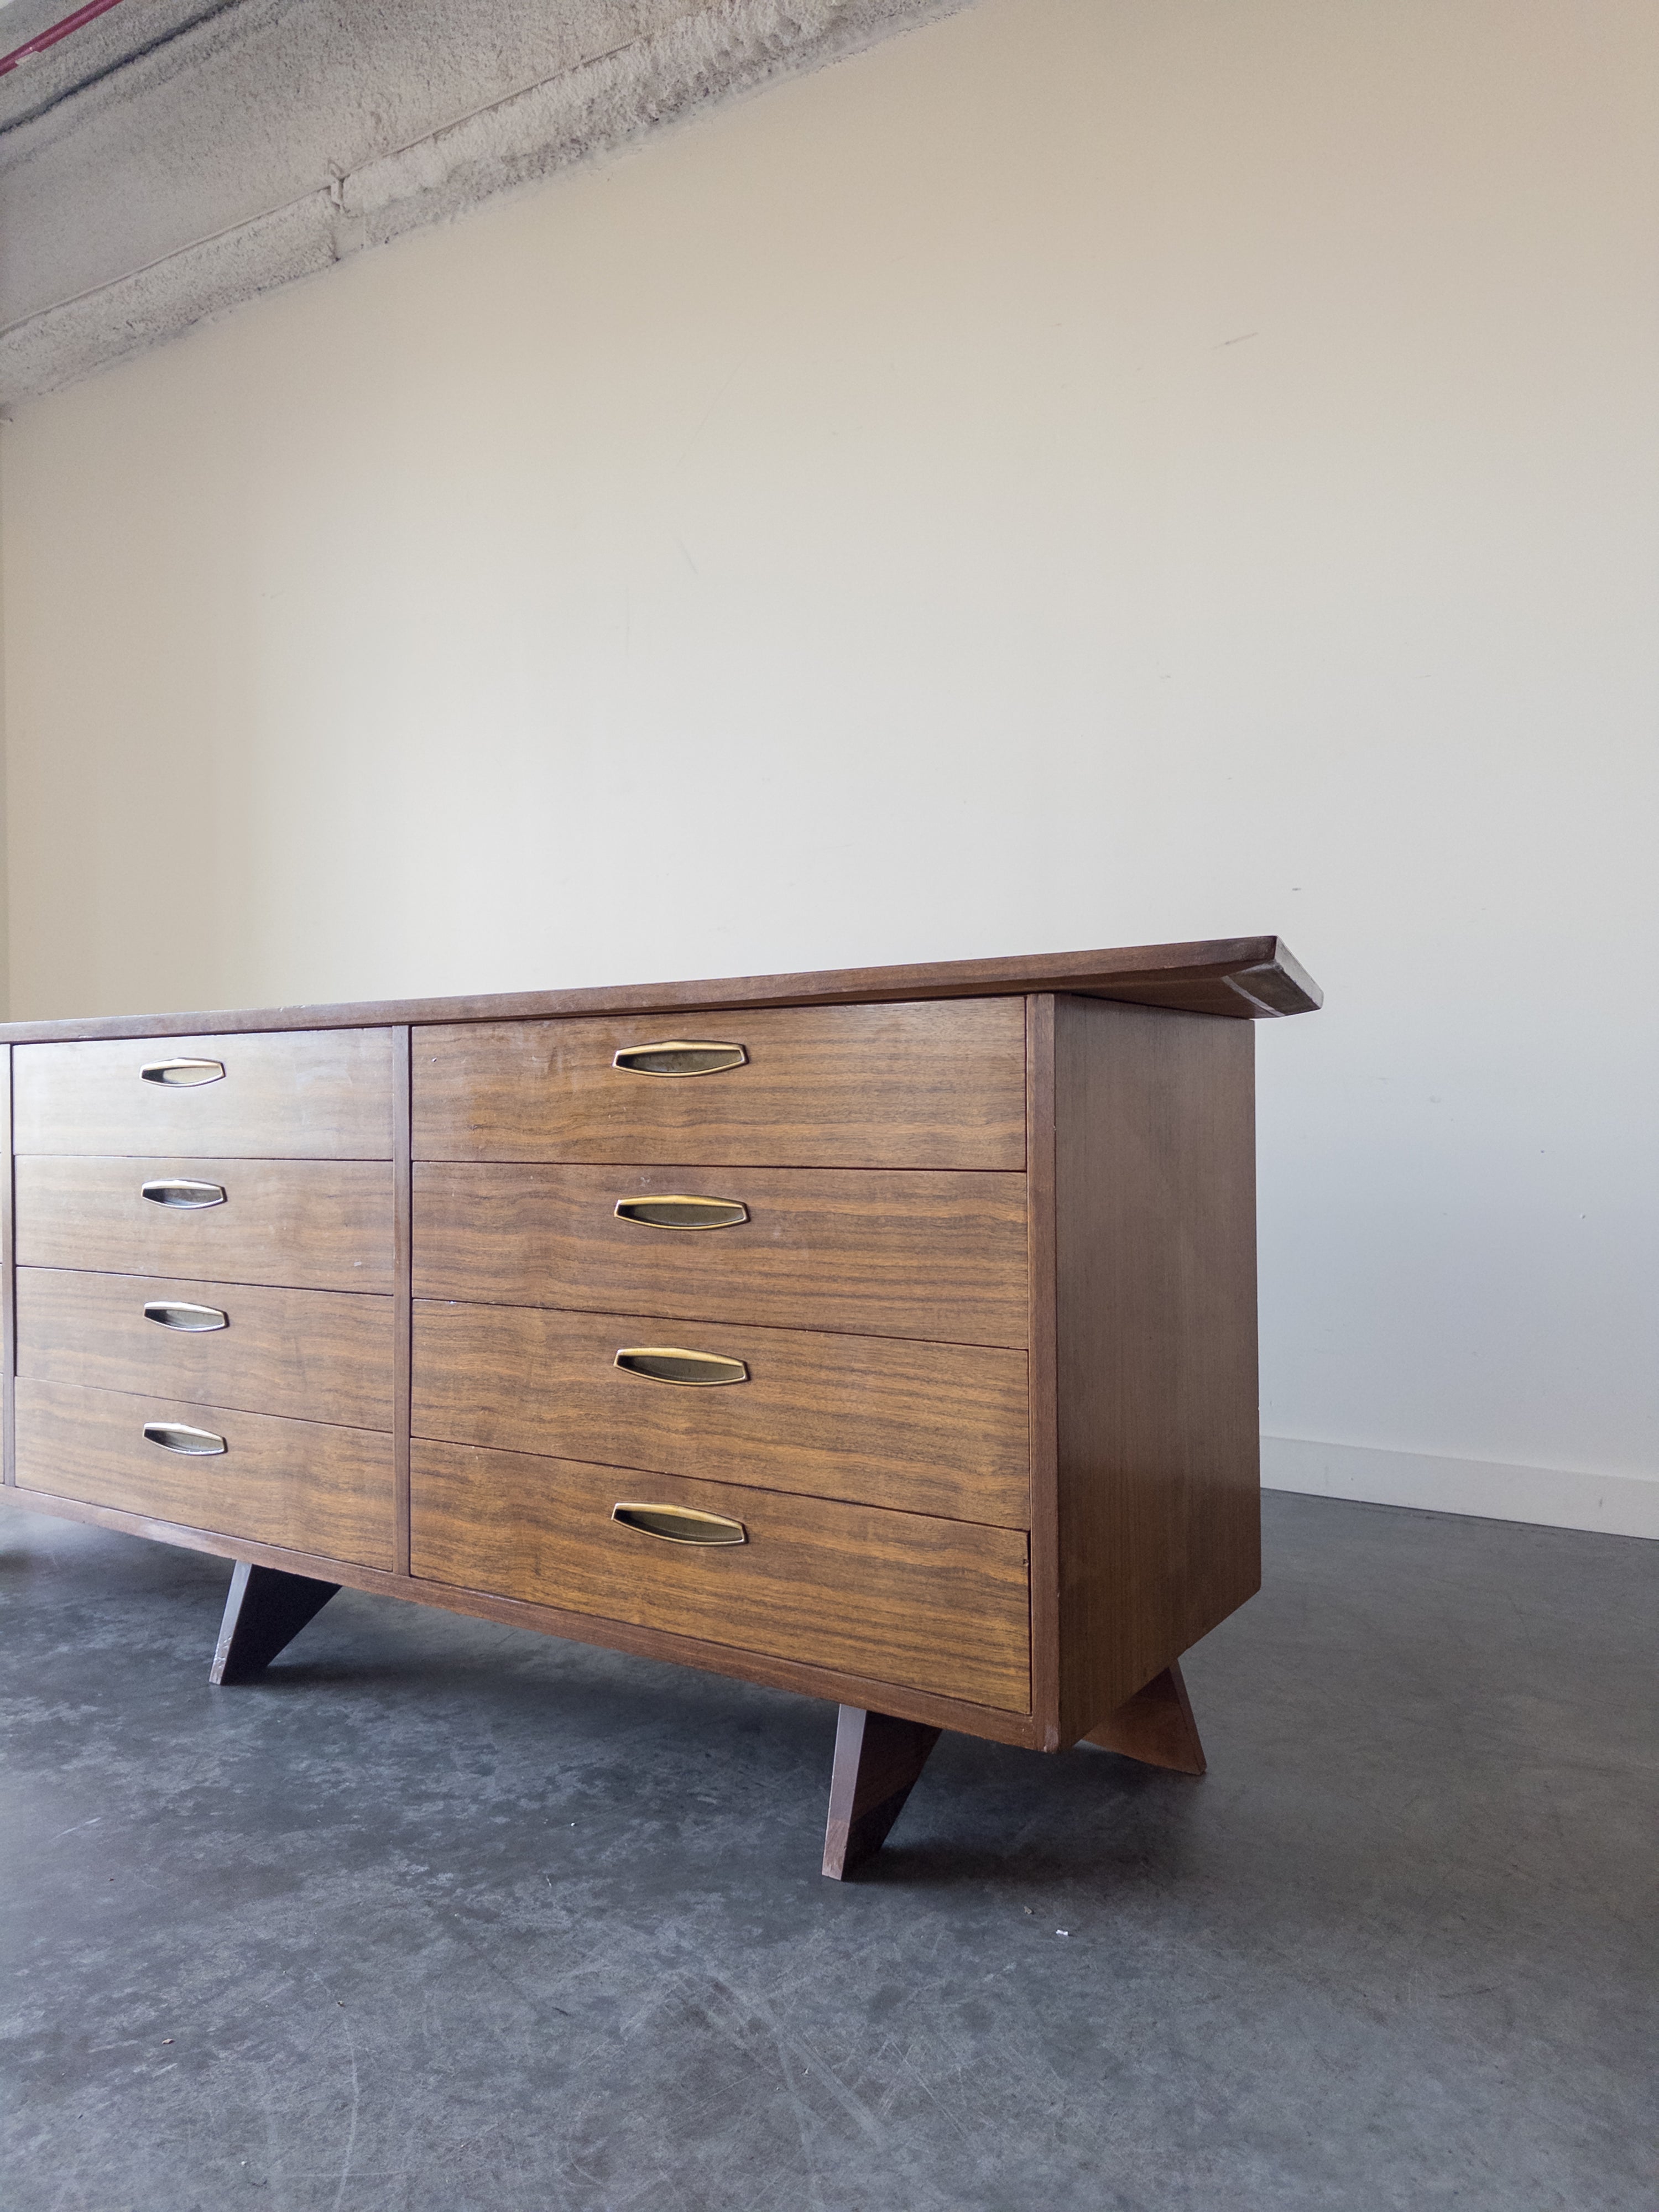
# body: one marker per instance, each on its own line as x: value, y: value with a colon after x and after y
x: 878, y: 1760
x: 1156, y: 1726
x: 266, y: 1610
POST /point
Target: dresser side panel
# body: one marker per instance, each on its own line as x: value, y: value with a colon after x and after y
x: 1041, y: 1392
x: 403, y: 1201
x: 1158, y: 1481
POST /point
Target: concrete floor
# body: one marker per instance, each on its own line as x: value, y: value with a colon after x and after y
x: 446, y: 1917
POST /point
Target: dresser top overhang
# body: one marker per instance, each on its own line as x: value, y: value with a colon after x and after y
x: 1240, y: 978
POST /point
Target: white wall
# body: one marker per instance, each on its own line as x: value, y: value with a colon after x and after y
x: 1086, y: 473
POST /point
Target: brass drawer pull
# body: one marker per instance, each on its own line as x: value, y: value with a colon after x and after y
x: 678, y: 1524
x: 674, y: 1056
x: 682, y: 1213
x: 182, y: 1074
x: 195, y: 1321
x: 665, y: 1362
x: 179, y: 1436
x: 179, y: 1190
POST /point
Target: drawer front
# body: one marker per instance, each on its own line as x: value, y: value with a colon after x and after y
x: 927, y: 1428
x: 940, y: 1257
x: 306, y: 1224
x: 897, y: 1597
x: 297, y: 1484
x: 938, y: 1085
x: 310, y: 1355
x: 302, y: 1094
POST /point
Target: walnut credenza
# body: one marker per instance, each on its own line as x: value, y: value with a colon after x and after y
x: 886, y: 1335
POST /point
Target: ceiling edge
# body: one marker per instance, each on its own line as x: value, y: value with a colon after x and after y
x: 716, y: 55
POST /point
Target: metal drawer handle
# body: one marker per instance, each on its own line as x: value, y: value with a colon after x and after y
x: 674, y: 1056
x: 678, y: 1524
x: 195, y: 1321
x: 682, y: 1213
x: 182, y: 1074
x: 665, y: 1362
x: 179, y: 1436
x: 179, y: 1190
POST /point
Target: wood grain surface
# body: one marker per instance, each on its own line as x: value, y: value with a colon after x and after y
x: 1135, y: 1296
x: 301, y: 1224
x: 1158, y: 1478
x: 308, y: 1355
x: 799, y: 1677
x: 1155, y: 1726
x: 878, y: 1761
x: 939, y: 1084
x: 321, y: 1094
x: 1045, y: 1434
x: 1243, y: 978
x: 907, y: 1253
x: 939, y: 1605
x: 927, y: 1428
x: 402, y: 1211
x: 264, y: 1611
x: 298, y: 1484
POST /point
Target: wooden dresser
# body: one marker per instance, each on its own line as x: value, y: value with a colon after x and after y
x: 886, y: 1335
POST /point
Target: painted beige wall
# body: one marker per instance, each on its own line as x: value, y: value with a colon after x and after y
x: 1085, y: 473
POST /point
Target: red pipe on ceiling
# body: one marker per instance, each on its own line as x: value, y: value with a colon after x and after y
x: 42, y: 39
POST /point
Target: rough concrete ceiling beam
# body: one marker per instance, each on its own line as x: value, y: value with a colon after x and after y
x: 266, y: 139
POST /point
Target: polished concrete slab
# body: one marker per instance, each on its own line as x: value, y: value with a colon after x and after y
x: 441, y: 1916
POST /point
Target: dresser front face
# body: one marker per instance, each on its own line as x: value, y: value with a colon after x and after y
x: 893, y: 1598
x: 302, y: 1485
x: 899, y: 1352
x: 773, y: 1268
x: 940, y: 1429
x: 204, y: 1238
x: 286, y: 1094
x: 939, y: 1257
x: 940, y: 1083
